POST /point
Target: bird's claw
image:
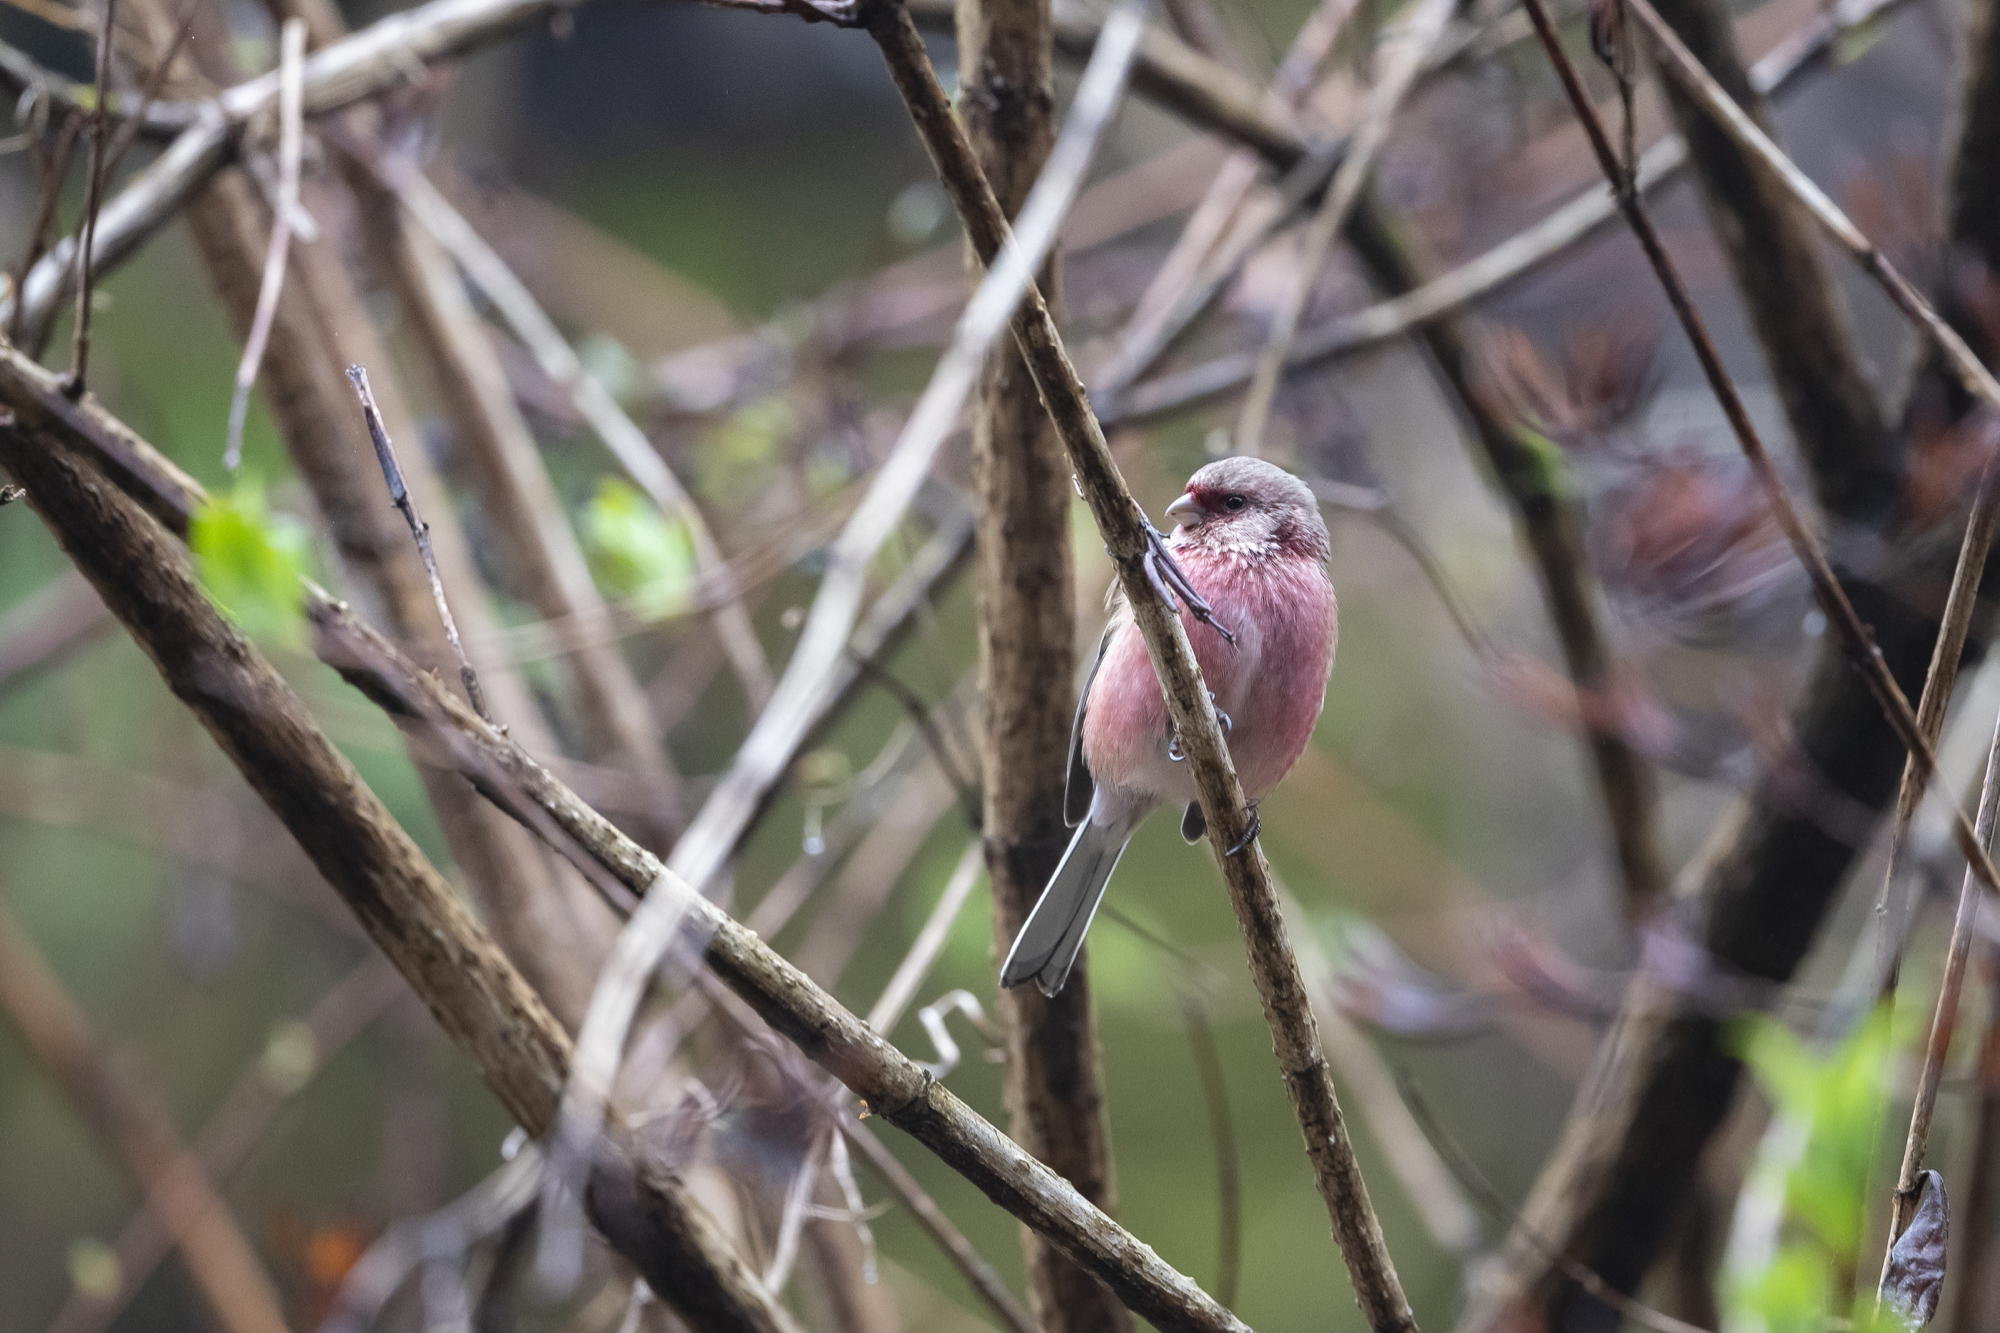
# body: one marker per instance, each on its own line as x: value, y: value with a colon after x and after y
x: 1221, y: 716
x: 1171, y: 582
x: 1249, y: 834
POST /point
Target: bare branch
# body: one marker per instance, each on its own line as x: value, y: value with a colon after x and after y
x: 1794, y: 306
x: 1502, y: 265
x: 620, y: 434
x: 1417, y: 38
x: 891, y: 1085
x: 420, y: 532
x: 406, y: 906
x: 291, y: 146
x: 93, y: 197
x: 547, y: 562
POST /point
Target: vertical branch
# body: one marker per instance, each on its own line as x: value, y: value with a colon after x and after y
x: 545, y: 559
x: 291, y: 145
x: 1944, y: 1021
x: 1026, y: 601
x: 93, y: 194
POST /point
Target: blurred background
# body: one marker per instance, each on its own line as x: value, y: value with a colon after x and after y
x: 730, y: 217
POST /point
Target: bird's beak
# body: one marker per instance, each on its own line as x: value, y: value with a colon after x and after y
x: 1186, y: 511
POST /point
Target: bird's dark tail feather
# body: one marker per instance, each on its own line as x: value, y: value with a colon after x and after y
x: 1051, y: 937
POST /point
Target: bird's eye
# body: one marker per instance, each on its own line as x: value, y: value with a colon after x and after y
x: 1234, y: 503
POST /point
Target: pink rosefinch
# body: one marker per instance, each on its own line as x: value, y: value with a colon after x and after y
x: 1251, y: 543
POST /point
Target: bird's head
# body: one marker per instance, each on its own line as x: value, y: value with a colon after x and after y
x: 1249, y: 507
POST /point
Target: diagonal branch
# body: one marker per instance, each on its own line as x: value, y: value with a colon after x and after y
x: 1505, y: 263
x: 409, y: 910
x: 1418, y: 37
x: 893, y: 1086
x: 1793, y: 304
x: 620, y: 434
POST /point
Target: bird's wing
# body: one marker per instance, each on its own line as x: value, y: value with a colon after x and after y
x: 1081, y: 786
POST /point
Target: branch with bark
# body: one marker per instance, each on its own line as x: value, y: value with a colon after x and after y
x: 1026, y: 602
x: 407, y: 908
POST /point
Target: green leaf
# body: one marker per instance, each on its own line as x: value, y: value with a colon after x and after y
x: 1835, y: 1093
x: 1789, y: 1296
x: 251, y: 562
x: 637, y: 552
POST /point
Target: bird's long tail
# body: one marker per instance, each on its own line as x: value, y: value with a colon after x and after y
x: 1050, y: 938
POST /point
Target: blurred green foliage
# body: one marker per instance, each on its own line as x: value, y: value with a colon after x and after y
x: 251, y: 561
x: 637, y: 552
x: 1830, y: 1100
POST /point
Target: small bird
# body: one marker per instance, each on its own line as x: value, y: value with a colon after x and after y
x: 1250, y: 541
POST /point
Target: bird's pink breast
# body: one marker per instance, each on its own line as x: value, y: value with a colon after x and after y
x: 1272, y: 683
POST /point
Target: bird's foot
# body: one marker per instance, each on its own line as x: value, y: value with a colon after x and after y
x: 1170, y: 581
x: 1249, y: 834
x: 1221, y: 716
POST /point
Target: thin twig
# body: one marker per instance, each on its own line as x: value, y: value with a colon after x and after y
x: 1944, y: 1021
x: 1470, y: 1176
x: 51, y: 168
x: 399, y: 494
x: 93, y: 196
x: 550, y: 570
x: 1146, y: 332
x: 140, y: 118
x: 1222, y: 1133
x: 978, y: 1274
x: 916, y: 964
x: 1689, y: 74
x: 635, y: 453
x: 1413, y: 47
x: 1131, y: 542
x: 893, y: 1086
x: 920, y: 714
x: 1833, y: 601
x: 291, y: 147
x: 1503, y: 264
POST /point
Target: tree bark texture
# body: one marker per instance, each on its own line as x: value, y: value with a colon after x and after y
x: 481, y: 1001
x: 1027, y: 653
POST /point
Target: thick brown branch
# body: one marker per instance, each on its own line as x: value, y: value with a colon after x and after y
x: 1026, y: 600
x: 893, y: 1086
x: 145, y: 578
